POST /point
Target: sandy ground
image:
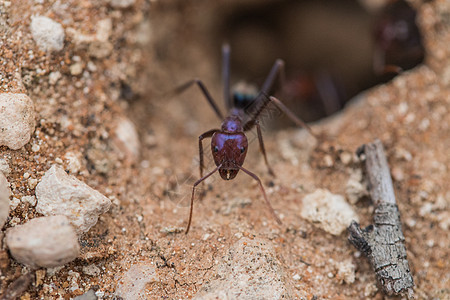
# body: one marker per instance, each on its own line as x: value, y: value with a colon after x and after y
x: 150, y: 194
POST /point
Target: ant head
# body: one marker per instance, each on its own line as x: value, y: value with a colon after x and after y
x: 229, y: 149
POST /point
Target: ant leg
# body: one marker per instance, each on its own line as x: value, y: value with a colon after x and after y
x: 291, y: 115
x: 252, y: 122
x: 205, y: 92
x: 192, y: 197
x: 262, y: 149
x: 226, y: 75
x: 263, y: 191
x: 277, y: 69
x: 203, y: 136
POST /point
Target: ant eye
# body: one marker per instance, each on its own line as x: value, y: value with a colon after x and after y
x: 242, y: 149
x: 216, y: 149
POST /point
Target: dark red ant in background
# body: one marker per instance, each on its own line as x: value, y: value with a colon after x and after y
x: 229, y: 144
x: 398, y: 43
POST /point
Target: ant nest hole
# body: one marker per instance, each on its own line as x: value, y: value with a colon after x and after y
x: 333, y: 50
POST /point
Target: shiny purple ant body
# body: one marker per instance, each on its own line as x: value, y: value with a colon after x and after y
x: 229, y: 144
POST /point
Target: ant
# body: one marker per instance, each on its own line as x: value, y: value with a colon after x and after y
x: 229, y: 144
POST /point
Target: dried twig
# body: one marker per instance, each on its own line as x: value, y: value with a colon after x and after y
x: 383, y: 242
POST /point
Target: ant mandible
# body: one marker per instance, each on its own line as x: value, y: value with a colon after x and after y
x: 229, y: 144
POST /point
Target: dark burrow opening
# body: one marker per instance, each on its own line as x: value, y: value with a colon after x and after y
x: 333, y: 50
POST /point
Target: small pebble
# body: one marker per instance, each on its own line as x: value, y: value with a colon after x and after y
x: 328, y: 211
x: 91, y: 270
x: 53, y: 77
x: 32, y: 182
x: 4, y: 199
x: 4, y: 167
x: 76, y: 69
x: 35, y: 148
x: 43, y: 242
x: 14, y: 203
x: 48, y: 34
x: 73, y: 162
x: 16, y: 120
x: 29, y: 199
x: 127, y: 139
x: 345, y: 158
x: 328, y: 161
x: 62, y: 194
x: 26, y: 175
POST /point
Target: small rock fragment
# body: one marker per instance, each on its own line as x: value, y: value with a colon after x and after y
x: 132, y: 284
x: 29, y: 199
x: 61, y: 194
x: 53, y: 77
x: 48, y: 34
x: 16, y: 120
x: 76, y: 69
x: 32, y: 182
x: 43, y: 242
x: 356, y: 188
x: 250, y: 270
x: 328, y: 211
x: 91, y: 270
x: 127, y: 139
x: 4, y: 199
x: 73, y: 162
x: 4, y: 167
x: 35, y: 148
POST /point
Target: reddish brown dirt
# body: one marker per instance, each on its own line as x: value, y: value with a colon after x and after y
x: 150, y: 196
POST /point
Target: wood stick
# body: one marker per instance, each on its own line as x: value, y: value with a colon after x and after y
x: 383, y: 242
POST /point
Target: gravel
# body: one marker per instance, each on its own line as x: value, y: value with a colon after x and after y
x: 43, y: 242
x: 16, y: 120
x: 62, y: 194
x: 328, y: 211
x: 127, y: 139
x: 48, y: 34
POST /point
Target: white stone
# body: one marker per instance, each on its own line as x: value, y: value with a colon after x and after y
x: 48, y: 34
x: 43, y: 242
x: 16, y: 120
x: 4, y: 199
x: 73, y: 162
x: 4, y: 167
x: 127, y: 139
x: 29, y: 199
x: 53, y: 77
x: 61, y: 194
x: 132, y: 284
x: 328, y: 211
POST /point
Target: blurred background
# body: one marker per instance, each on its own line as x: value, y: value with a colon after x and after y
x: 333, y: 50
